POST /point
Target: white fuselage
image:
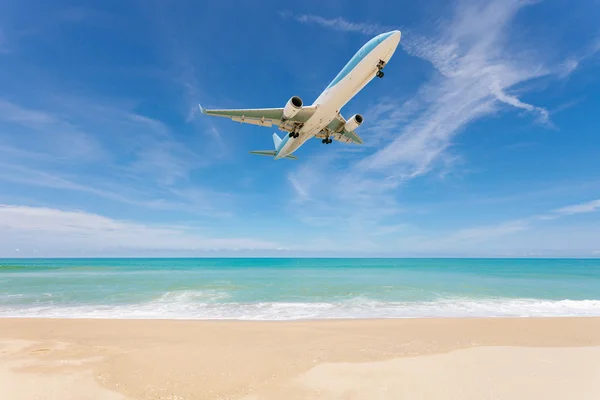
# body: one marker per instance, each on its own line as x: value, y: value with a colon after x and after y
x: 361, y: 69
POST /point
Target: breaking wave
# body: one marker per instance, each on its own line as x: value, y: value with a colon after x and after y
x: 214, y: 304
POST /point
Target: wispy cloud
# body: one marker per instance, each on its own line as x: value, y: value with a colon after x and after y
x: 581, y: 208
x: 51, y: 231
x: 32, y: 25
x: 28, y: 176
x: 12, y: 112
x: 106, y: 190
x: 337, y: 23
x: 143, y: 163
x: 477, y: 65
x: 573, y: 62
x: 510, y: 227
x: 543, y: 114
x: 473, y: 56
x: 518, y: 236
x: 46, y: 133
x: 184, y: 70
x: 484, y: 233
x: 301, y: 192
x: 588, y: 207
x: 480, y: 72
x: 527, y: 236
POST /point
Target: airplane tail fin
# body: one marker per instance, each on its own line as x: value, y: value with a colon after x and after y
x: 271, y: 153
x: 276, y: 141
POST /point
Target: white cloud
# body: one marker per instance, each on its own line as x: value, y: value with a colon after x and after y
x: 194, y: 200
x: 92, y: 128
x: 476, y: 239
x: 13, y: 113
x: 572, y: 63
x: 50, y: 230
x: 490, y: 232
x: 518, y: 237
x: 298, y: 186
x: 569, y: 66
x: 473, y: 55
x: 106, y: 150
x: 582, y: 208
x: 544, y: 116
x: 23, y: 175
x: 185, y: 70
x: 567, y: 241
x: 588, y: 207
x: 338, y: 23
x: 478, y: 66
x: 47, y: 134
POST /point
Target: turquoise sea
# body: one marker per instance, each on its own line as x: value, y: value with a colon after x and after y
x: 282, y: 289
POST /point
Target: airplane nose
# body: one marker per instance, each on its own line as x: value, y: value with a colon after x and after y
x: 391, y: 38
x: 396, y: 36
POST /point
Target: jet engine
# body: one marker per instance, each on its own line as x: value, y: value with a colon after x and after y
x: 292, y: 107
x: 353, y: 123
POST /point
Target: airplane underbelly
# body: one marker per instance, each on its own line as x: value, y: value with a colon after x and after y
x: 356, y: 80
x: 332, y: 100
x: 320, y: 119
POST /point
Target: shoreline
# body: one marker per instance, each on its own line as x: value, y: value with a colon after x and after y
x: 119, y: 359
x: 302, y: 320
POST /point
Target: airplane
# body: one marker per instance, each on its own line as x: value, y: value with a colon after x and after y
x: 322, y: 119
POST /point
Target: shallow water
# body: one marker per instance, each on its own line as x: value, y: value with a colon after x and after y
x: 280, y: 289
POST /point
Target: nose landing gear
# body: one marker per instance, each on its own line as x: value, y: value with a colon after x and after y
x: 380, y: 66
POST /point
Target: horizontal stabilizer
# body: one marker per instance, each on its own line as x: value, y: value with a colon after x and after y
x: 264, y: 152
x: 271, y: 153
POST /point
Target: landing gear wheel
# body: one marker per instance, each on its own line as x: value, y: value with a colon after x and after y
x: 294, y: 134
x: 330, y: 141
x: 379, y: 74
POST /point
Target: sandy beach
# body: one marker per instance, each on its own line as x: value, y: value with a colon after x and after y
x: 529, y: 358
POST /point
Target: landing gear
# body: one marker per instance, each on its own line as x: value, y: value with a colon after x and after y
x: 380, y: 66
x: 294, y: 134
x: 326, y: 141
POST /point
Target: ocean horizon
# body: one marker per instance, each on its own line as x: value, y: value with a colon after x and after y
x: 298, y: 288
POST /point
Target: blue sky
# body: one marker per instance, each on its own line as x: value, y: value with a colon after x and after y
x: 482, y: 139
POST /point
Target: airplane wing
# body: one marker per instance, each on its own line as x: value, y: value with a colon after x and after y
x: 261, y: 116
x: 336, y: 128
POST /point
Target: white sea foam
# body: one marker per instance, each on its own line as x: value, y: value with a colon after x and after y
x: 214, y: 304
